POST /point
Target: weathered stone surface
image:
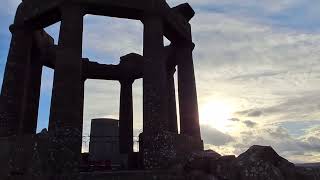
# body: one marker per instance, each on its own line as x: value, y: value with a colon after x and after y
x: 308, y: 173
x: 263, y: 162
x: 130, y: 67
x: 223, y: 167
x: 257, y: 163
x: 185, y: 10
x: 6, y: 145
x: 156, y: 142
x: 33, y: 157
x: 12, y: 114
x: 211, y: 154
x: 147, y: 175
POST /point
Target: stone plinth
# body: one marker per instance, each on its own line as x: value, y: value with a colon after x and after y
x: 174, y: 149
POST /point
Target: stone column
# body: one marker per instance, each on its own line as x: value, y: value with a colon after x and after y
x: 188, y: 104
x: 15, y: 81
x: 67, y: 95
x: 157, y: 142
x: 173, y: 127
x: 33, y: 95
x: 155, y: 101
x: 40, y: 42
x: 126, y: 117
x: 15, y: 144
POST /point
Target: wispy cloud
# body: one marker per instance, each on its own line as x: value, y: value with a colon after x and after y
x: 215, y: 137
x: 111, y: 38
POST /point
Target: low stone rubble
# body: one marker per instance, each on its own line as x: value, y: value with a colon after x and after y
x: 257, y: 163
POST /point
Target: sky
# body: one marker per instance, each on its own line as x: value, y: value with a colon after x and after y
x: 257, y: 71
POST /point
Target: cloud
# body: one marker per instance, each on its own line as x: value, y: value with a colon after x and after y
x: 304, y: 148
x: 234, y: 119
x: 107, y: 39
x: 294, y: 14
x: 249, y: 123
x: 255, y: 114
x: 251, y: 113
x: 311, y: 139
x: 214, y: 137
x: 257, y: 75
x: 271, y: 6
x: 299, y: 106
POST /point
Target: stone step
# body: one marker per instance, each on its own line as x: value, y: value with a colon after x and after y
x: 140, y: 175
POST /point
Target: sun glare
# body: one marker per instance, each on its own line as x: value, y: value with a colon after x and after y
x: 216, y: 114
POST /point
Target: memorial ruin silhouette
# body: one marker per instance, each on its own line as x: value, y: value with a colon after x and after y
x: 32, y: 48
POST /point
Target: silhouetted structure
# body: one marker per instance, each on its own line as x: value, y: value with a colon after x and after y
x: 31, y: 48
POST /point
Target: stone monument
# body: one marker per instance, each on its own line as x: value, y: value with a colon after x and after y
x: 161, y: 146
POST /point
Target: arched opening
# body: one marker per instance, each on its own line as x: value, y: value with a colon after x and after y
x: 105, y: 40
x: 45, y: 98
x: 137, y: 112
x: 101, y: 100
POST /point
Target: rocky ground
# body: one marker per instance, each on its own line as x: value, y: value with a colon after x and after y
x: 257, y: 163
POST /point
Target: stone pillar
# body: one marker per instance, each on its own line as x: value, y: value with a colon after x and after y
x: 41, y: 41
x: 173, y: 126
x: 156, y: 142
x: 188, y: 104
x: 67, y: 96
x: 16, y: 96
x: 126, y: 117
x: 15, y: 81
x: 155, y: 103
x: 33, y: 95
x: 31, y: 91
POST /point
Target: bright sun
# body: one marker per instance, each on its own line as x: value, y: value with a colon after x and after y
x: 216, y: 114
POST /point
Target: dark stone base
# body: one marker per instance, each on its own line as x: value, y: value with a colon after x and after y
x: 17, y: 157
x: 126, y: 175
x: 165, y: 150
x: 145, y: 175
x: 34, y: 157
x: 6, y: 146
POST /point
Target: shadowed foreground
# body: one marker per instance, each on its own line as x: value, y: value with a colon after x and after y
x: 257, y: 163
